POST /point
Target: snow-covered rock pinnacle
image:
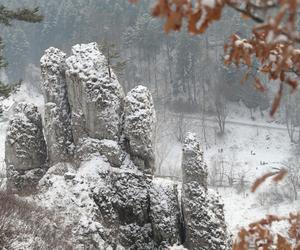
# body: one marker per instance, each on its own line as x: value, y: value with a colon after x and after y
x: 193, y: 165
x: 139, y: 125
x: 57, y: 111
x: 203, y: 214
x: 25, y: 148
x: 96, y: 99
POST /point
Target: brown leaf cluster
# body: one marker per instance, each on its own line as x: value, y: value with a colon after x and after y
x: 199, y: 15
x: 273, y: 43
x: 277, y: 176
x: 259, y: 235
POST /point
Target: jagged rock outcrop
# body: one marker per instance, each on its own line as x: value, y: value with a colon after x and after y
x: 113, y: 208
x: 101, y: 163
x: 58, y: 131
x: 25, y: 148
x: 139, y: 124
x: 205, y: 227
x: 123, y: 201
x: 96, y: 99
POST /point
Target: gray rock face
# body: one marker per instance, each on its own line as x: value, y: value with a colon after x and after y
x: 25, y: 147
x: 88, y: 148
x: 57, y: 111
x: 205, y: 227
x: 165, y: 213
x: 95, y: 98
x: 193, y: 166
x: 139, y: 125
x: 24, y: 181
x: 139, y: 213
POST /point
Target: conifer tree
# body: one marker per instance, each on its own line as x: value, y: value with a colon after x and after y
x: 7, y: 16
x: 113, y: 58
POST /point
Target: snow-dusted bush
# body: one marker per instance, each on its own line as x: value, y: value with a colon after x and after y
x: 23, y: 225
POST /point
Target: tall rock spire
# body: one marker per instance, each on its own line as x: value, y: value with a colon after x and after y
x: 203, y: 214
x: 58, y: 131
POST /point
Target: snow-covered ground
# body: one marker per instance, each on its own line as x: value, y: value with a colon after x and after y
x: 248, y: 147
x: 243, y: 209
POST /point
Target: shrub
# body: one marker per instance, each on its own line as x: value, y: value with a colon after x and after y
x: 24, y: 225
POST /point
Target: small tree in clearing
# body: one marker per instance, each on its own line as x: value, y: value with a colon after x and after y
x: 221, y: 111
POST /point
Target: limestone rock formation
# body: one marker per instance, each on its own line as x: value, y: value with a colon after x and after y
x: 57, y: 111
x: 123, y: 202
x: 113, y: 208
x: 96, y: 99
x: 204, y: 220
x: 101, y: 161
x: 139, y: 124
x: 25, y: 148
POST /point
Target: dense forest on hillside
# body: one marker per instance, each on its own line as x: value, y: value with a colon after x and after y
x: 179, y: 69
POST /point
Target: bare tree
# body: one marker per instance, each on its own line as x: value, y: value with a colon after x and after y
x: 293, y: 178
x: 181, y: 127
x: 221, y: 110
x: 291, y: 107
x: 113, y: 58
x: 162, y: 146
x: 242, y: 182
